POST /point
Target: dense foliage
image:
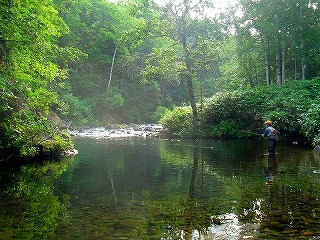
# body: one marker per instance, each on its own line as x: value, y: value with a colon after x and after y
x: 29, y: 75
x: 293, y: 108
x: 97, y: 62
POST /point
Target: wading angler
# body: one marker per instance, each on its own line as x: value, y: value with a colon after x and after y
x: 271, y: 134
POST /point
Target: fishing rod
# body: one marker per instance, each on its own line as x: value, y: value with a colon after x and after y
x: 216, y: 142
x: 257, y: 134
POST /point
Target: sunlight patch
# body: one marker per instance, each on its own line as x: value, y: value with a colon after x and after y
x: 230, y: 228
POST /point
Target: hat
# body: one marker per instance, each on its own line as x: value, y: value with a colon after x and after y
x: 268, y: 122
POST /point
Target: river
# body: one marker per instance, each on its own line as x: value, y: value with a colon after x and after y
x: 152, y: 188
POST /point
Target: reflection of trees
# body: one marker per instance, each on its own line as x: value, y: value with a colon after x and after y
x: 191, y: 211
x: 241, y: 192
x: 183, y: 190
x: 194, y: 172
x: 33, y: 210
x: 212, y: 190
x: 292, y: 204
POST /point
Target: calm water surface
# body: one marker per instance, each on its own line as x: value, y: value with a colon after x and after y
x: 151, y: 188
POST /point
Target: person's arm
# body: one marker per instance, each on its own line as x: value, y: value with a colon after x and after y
x: 266, y: 132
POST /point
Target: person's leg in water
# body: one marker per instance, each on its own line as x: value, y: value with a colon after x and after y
x: 272, y: 147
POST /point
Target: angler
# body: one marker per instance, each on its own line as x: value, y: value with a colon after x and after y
x: 271, y: 134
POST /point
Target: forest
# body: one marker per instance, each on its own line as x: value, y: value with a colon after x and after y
x: 198, y: 71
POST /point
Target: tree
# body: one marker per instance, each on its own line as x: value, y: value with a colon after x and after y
x: 29, y: 73
x: 288, y: 31
x: 115, y: 38
x: 190, y: 33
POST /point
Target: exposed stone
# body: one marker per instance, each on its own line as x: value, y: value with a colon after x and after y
x: 145, y: 130
x: 70, y: 152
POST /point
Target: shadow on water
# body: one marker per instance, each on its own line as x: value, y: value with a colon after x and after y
x: 151, y: 188
x: 29, y: 207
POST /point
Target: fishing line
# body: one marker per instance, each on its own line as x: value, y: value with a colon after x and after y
x: 219, y: 139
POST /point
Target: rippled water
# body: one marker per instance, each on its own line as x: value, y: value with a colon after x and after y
x: 152, y: 188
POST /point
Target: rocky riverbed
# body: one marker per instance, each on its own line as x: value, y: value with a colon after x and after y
x: 133, y: 130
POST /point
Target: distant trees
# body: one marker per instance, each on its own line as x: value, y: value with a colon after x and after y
x: 287, y: 33
x: 141, y: 56
x: 105, y: 86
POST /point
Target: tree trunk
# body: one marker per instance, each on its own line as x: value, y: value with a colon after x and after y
x: 303, y: 62
x: 253, y: 79
x: 283, y: 63
x: 190, y: 82
x: 278, y: 66
x: 111, y: 70
x: 267, y: 61
x: 302, y: 50
x: 192, y: 102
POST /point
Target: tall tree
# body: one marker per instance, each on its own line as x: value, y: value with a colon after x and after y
x: 287, y: 28
x: 185, y: 24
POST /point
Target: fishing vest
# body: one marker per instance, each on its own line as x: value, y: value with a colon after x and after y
x: 272, y: 133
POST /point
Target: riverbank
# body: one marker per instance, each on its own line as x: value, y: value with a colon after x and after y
x: 293, y: 108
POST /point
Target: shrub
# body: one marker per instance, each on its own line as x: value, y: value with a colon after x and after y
x: 311, y: 124
x: 226, y: 128
x: 285, y: 105
x: 293, y: 107
x: 23, y: 131
x: 159, y: 113
x: 178, y: 121
x: 27, y: 133
x: 243, y: 107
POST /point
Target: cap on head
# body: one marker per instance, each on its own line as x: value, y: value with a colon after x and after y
x: 268, y: 122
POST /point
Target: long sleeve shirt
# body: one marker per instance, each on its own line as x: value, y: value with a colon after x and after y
x: 270, y: 132
x: 266, y: 132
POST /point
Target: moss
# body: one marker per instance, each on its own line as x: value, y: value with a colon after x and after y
x: 57, y: 144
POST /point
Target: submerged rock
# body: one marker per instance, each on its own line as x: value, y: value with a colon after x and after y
x: 70, y: 152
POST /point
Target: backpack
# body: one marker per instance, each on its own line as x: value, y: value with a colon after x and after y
x: 272, y: 134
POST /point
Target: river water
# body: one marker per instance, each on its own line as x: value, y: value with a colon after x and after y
x: 153, y: 188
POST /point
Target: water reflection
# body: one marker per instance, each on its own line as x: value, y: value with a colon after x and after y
x: 29, y: 208
x: 271, y: 170
x: 167, y: 189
